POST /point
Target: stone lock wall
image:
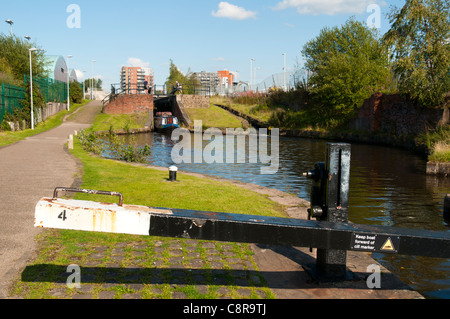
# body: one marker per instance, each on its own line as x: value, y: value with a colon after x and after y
x: 193, y: 101
x: 129, y: 104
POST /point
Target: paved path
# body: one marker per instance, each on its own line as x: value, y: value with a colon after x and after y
x: 29, y: 170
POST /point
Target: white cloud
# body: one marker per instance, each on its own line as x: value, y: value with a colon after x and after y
x: 228, y: 10
x: 136, y: 62
x: 218, y: 59
x: 329, y: 7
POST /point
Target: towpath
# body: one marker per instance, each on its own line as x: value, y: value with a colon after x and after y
x: 29, y: 170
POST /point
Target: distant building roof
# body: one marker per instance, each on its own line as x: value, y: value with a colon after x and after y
x: 56, y: 67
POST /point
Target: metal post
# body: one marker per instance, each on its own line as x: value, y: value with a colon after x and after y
x: 331, y: 262
x: 329, y: 202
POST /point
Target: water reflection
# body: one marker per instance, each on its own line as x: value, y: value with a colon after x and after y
x: 387, y: 187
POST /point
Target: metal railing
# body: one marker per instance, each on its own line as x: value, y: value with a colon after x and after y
x: 11, y: 95
x: 10, y: 99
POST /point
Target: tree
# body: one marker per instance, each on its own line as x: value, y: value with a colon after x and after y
x: 347, y: 65
x: 97, y: 83
x: 189, y: 82
x: 419, y: 46
x: 76, y: 92
x: 14, y: 59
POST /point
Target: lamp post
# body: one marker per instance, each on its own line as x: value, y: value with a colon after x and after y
x: 251, y: 73
x: 254, y: 77
x: 92, y: 77
x: 9, y: 21
x: 68, y: 83
x: 284, y: 71
x: 84, y: 82
x: 31, y: 88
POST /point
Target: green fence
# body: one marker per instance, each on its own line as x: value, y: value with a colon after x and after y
x: 10, y: 99
x: 51, y: 90
x: 11, y: 96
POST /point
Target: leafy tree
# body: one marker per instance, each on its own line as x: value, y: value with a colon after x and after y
x: 98, y: 83
x: 14, y: 58
x: 76, y: 92
x: 188, y: 82
x: 347, y: 65
x: 419, y: 43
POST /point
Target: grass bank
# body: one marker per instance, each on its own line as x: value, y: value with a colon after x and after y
x: 436, y: 143
x: 7, y: 137
x: 106, y: 122
x: 214, y: 116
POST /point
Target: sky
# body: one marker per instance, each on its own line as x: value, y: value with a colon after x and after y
x: 198, y: 35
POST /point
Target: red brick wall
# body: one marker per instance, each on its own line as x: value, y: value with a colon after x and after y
x: 130, y: 103
x: 391, y: 114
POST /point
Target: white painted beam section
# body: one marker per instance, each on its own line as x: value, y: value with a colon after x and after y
x: 93, y: 216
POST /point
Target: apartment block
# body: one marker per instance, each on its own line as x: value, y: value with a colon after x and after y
x: 226, y: 78
x: 208, y: 79
x: 132, y: 79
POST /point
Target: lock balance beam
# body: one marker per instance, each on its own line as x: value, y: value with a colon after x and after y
x: 141, y: 220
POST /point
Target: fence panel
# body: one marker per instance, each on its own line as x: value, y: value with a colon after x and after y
x: 11, y: 95
x: 10, y: 99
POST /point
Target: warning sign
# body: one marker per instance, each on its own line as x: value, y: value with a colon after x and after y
x: 388, y: 245
x: 375, y: 243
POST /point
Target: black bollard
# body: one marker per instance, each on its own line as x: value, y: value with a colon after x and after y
x: 173, y: 173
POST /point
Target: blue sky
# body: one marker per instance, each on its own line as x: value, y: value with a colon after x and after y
x: 200, y: 35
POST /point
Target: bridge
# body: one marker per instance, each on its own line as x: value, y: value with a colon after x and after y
x: 135, y: 98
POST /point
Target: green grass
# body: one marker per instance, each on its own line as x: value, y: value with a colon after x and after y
x: 105, y: 122
x: 141, y: 185
x: 438, y: 142
x: 214, y: 116
x: 257, y: 111
x: 7, y: 138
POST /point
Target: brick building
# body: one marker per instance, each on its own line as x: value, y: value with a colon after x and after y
x: 226, y: 78
x: 132, y: 79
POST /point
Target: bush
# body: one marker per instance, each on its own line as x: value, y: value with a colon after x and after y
x: 114, y: 146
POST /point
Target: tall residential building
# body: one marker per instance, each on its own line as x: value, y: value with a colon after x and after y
x: 132, y: 79
x: 208, y: 81
x: 226, y: 78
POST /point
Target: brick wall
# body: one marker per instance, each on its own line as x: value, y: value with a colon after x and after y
x: 391, y: 114
x: 130, y: 103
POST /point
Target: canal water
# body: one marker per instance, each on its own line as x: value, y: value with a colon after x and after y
x: 388, y: 186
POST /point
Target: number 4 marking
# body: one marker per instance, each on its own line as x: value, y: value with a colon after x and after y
x: 62, y: 215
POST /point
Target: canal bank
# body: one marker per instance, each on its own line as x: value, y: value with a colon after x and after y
x: 367, y: 128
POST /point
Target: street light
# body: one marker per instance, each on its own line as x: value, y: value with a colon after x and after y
x: 31, y: 88
x: 284, y: 70
x: 68, y: 83
x: 92, y: 77
x: 9, y: 21
x: 84, y: 82
x: 27, y: 37
x: 251, y: 72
